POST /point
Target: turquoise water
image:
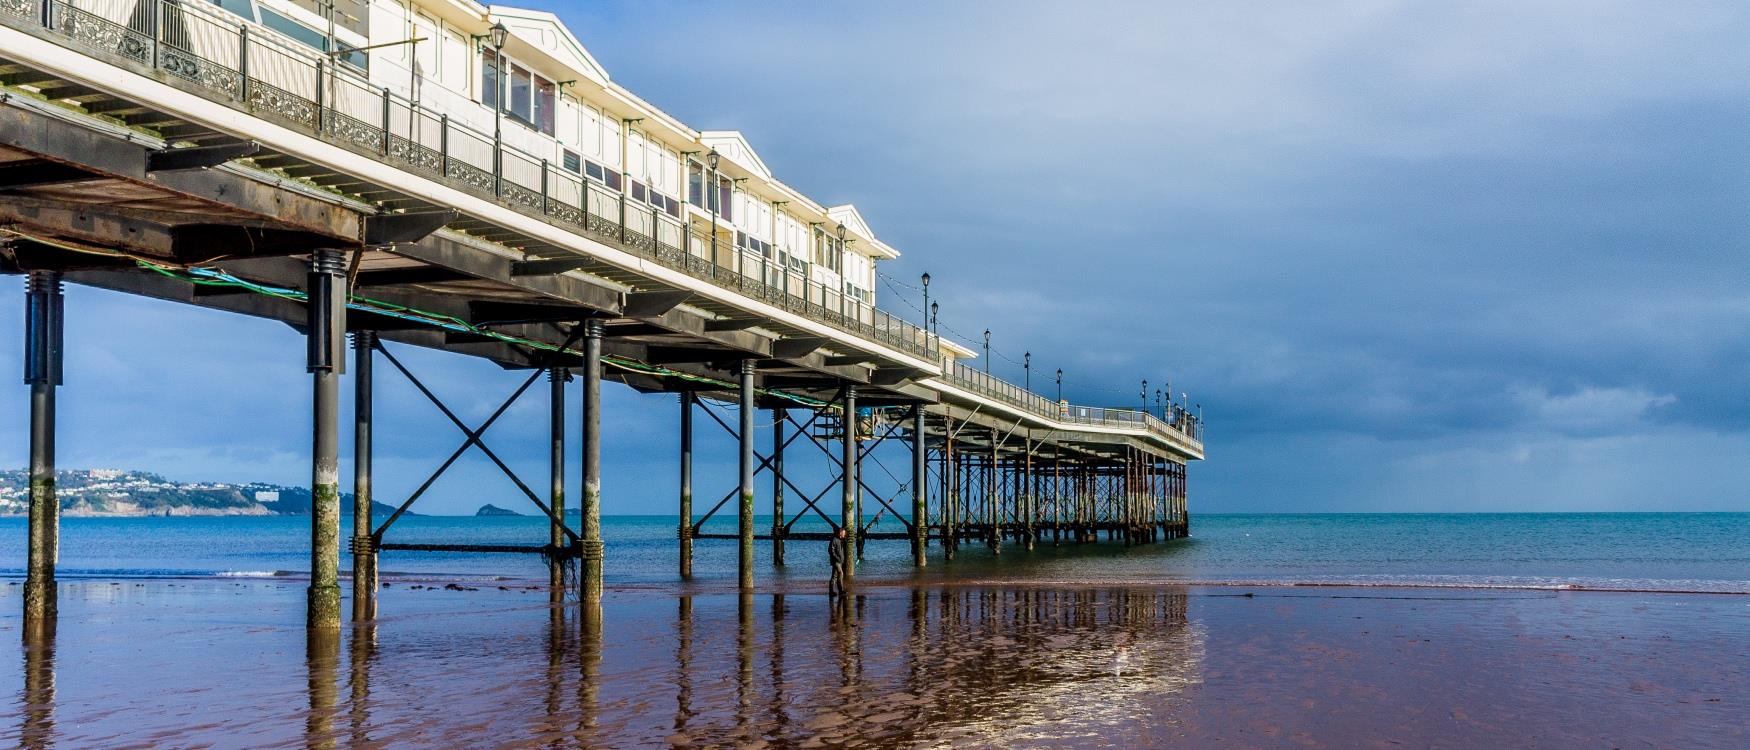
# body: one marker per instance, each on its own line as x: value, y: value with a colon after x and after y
x: 1651, y: 551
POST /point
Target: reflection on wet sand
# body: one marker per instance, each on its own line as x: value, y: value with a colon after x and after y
x: 972, y: 665
x: 37, y: 703
x: 893, y: 666
x: 322, y: 659
x: 364, y: 651
x: 228, y: 664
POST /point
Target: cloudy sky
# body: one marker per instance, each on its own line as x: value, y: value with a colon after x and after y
x: 1406, y: 256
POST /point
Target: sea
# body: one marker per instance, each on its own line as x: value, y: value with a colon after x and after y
x: 1655, y: 552
x: 1259, y: 631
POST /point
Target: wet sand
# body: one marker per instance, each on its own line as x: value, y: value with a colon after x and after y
x: 215, y: 663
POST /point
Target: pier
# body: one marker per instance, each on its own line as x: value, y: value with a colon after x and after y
x: 529, y: 211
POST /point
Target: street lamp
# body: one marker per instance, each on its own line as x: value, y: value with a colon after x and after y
x: 1027, y: 366
x: 936, y: 324
x: 987, y: 351
x: 1158, y: 401
x: 497, y: 36
x: 840, y: 267
x: 716, y: 197
x: 1145, y: 394
x: 926, y: 309
x: 1060, y: 385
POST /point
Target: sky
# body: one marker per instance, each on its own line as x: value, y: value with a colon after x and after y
x: 1405, y: 256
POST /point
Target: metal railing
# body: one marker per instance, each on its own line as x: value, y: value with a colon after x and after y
x: 1180, y: 424
x: 258, y: 71
x: 255, y: 70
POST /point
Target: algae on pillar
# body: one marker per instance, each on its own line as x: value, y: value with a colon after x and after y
x: 849, y: 514
x: 325, y: 335
x: 556, y: 379
x: 364, y: 551
x: 745, y: 436
x: 42, y: 371
x: 590, y: 582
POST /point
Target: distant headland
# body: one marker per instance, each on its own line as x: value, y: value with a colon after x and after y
x: 124, y: 494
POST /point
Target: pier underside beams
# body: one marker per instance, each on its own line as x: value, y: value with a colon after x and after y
x: 108, y: 190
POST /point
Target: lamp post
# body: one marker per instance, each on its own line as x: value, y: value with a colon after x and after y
x: 840, y: 267
x: 926, y: 280
x: 1145, y: 394
x: 1060, y: 385
x: 715, y: 197
x: 1027, y: 367
x: 987, y: 351
x: 934, y: 323
x: 1158, y: 400
x: 497, y: 36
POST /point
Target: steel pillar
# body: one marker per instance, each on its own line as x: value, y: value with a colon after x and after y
x: 920, y: 509
x: 685, y: 533
x: 556, y: 378
x: 364, y: 548
x: 992, y: 502
x: 43, y: 307
x: 850, y: 516
x: 590, y: 575
x: 325, y: 334
x: 1028, y: 501
x: 779, y: 414
x: 744, y: 518
x: 950, y: 489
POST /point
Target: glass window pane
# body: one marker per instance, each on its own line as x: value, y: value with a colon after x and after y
x: 521, y: 93
x: 489, y: 78
x: 304, y: 34
x: 545, y: 105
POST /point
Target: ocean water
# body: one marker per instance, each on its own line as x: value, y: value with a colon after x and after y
x: 1626, y: 551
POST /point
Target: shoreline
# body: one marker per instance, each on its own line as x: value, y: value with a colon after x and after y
x: 710, y: 585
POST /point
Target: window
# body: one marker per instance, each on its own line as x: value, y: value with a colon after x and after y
x: 520, y: 84
x: 489, y: 82
x: 710, y: 200
x: 743, y: 239
x: 352, y: 15
x: 572, y: 161
x: 528, y: 98
x: 828, y: 250
x: 648, y: 194
x: 696, y: 183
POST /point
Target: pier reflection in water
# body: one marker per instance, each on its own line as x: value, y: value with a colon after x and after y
x: 505, y: 668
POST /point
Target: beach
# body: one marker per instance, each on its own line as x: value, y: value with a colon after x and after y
x: 212, y: 662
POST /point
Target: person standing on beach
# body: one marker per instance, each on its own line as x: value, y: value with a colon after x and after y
x: 835, y: 557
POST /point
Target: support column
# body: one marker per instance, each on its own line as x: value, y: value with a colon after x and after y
x: 43, y: 305
x: 325, y: 334
x: 950, y: 489
x: 748, y: 465
x: 364, y: 548
x: 685, y: 533
x: 779, y: 414
x: 590, y: 575
x: 920, y: 509
x: 556, y: 378
x: 1028, y: 501
x: 848, y: 511
x: 992, y: 500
